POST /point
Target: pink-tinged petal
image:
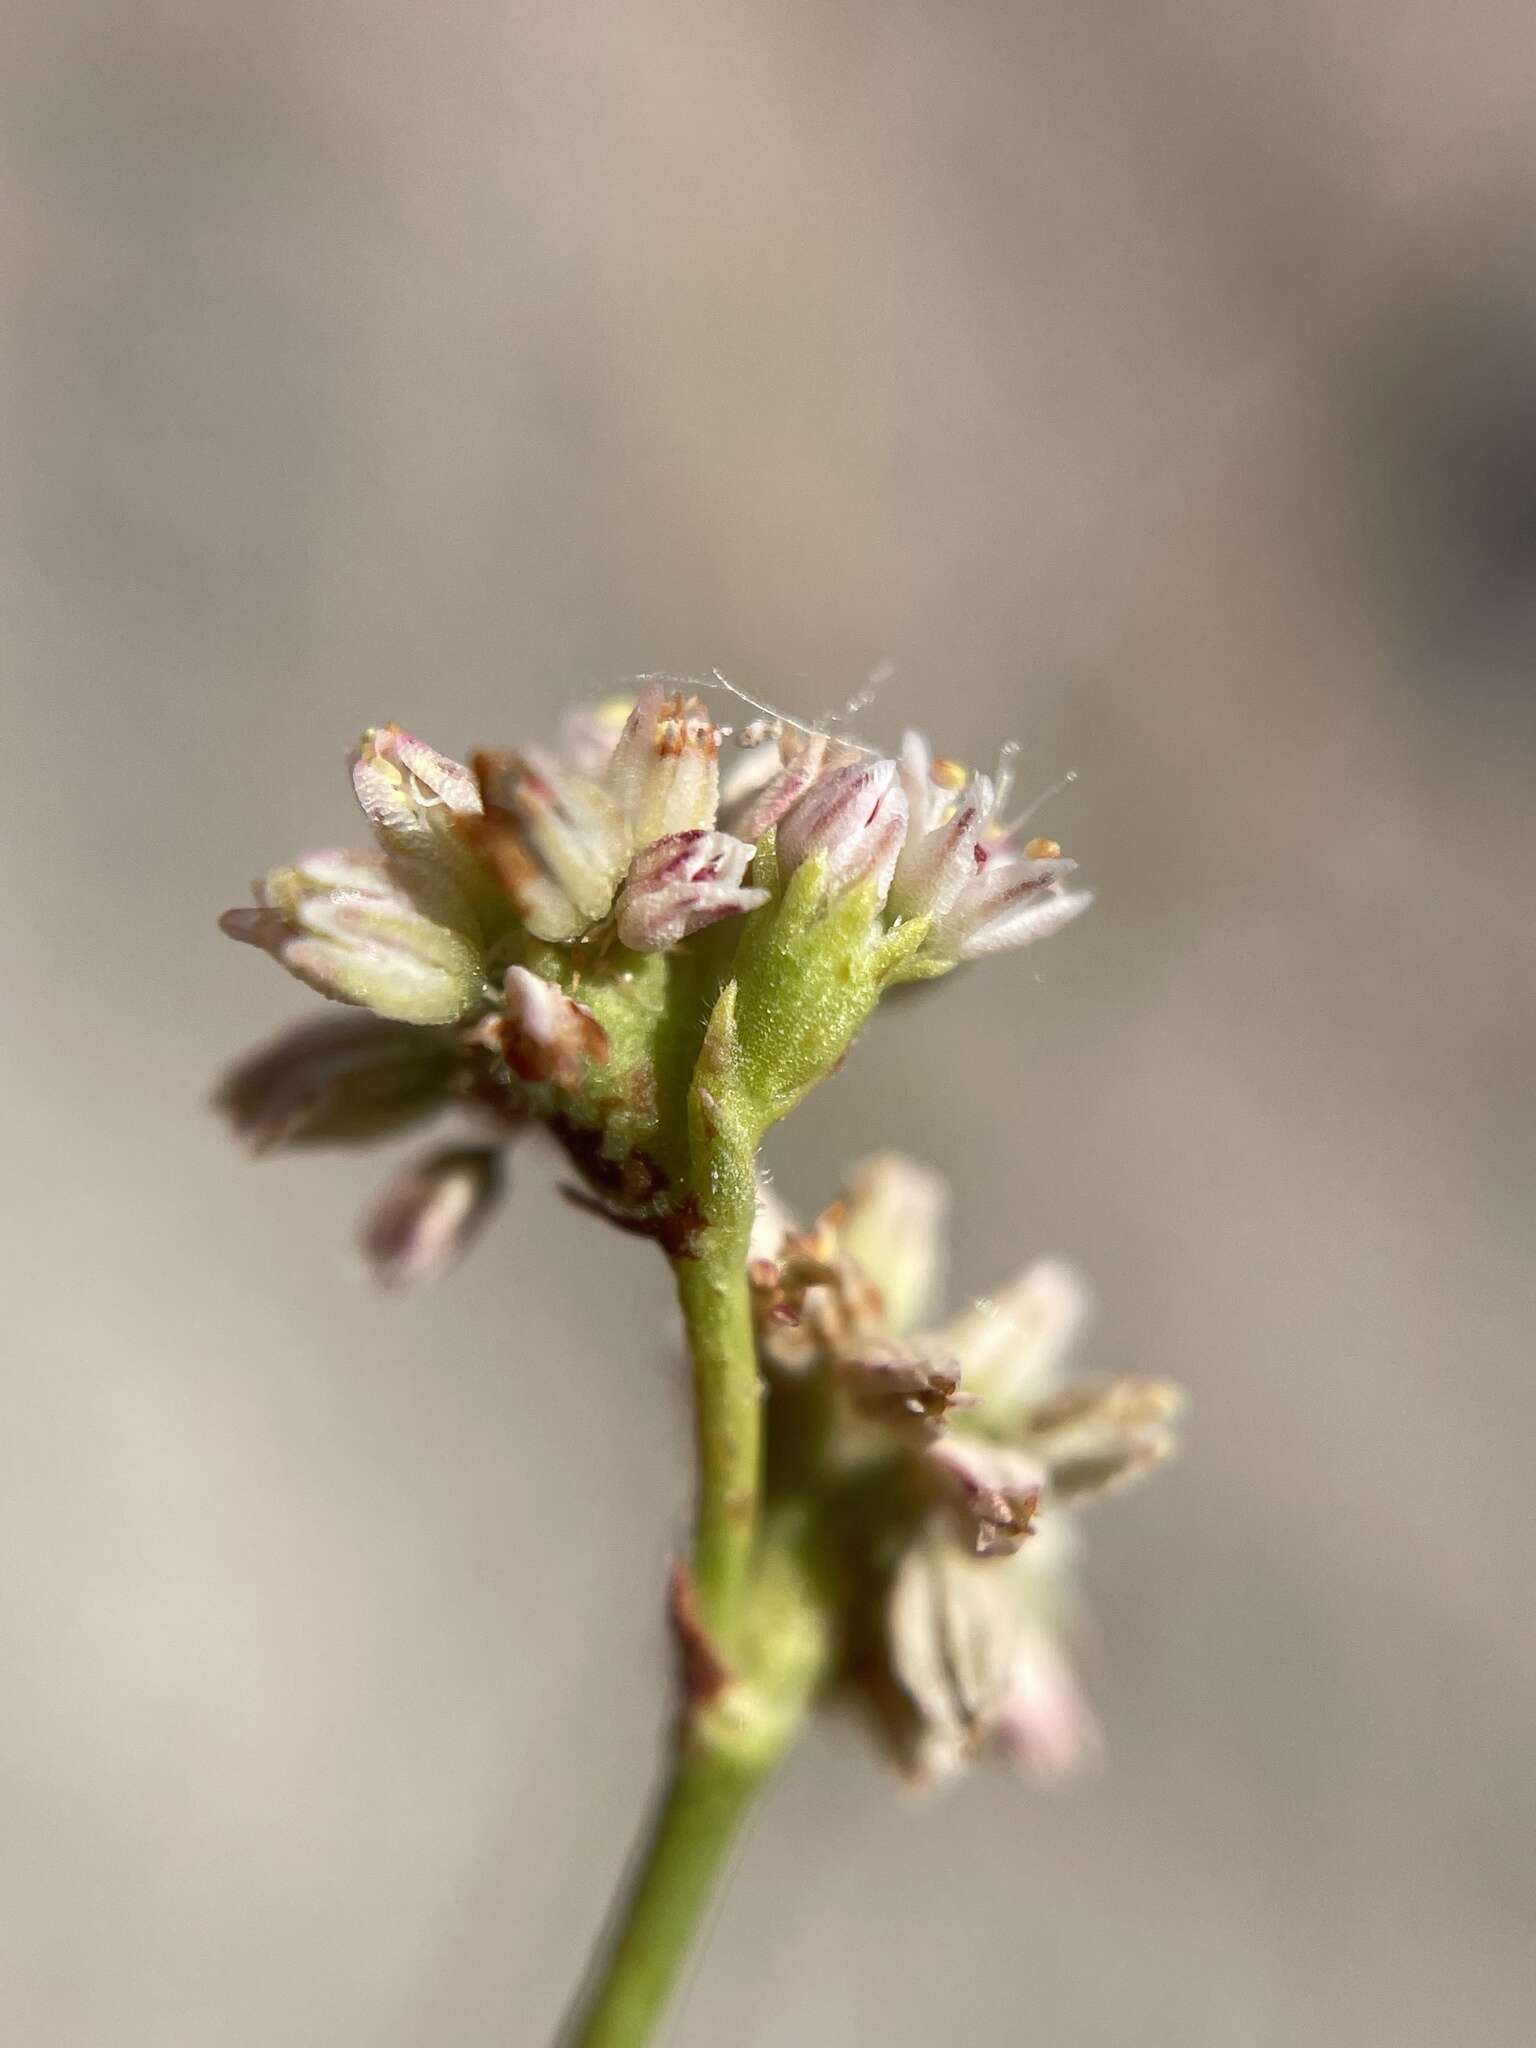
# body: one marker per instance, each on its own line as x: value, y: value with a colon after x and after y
x: 1000, y: 880
x: 855, y: 818
x: 409, y: 792
x: 936, y: 866
x: 803, y: 756
x: 656, y: 918
x: 544, y: 1034
x: 994, y: 1488
x: 680, y: 884
x: 1036, y: 917
x: 664, y: 775
x: 338, y: 1080
x: 346, y: 926
x: 430, y: 1213
x: 1044, y: 1722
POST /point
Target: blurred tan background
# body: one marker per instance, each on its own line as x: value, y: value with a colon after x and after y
x: 1156, y: 386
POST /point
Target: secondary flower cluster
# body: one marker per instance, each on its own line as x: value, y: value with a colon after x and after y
x: 975, y: 1443
x: 525, y: 931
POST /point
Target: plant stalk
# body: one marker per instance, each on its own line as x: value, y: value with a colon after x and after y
x: 691, y: 1833
x: 728, y: 1422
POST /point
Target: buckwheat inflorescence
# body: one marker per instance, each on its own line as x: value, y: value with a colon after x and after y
x: 615, y: 943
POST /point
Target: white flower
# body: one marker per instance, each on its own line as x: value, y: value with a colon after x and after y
x: 342, y: 923
x: 976, y: 1649
x: 564, y: 844
x: 960, y: 868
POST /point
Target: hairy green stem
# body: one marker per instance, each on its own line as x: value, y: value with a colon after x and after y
x: 728, y: 1420
x: 756, y: 1605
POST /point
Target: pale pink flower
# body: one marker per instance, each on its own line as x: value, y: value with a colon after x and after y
x: 682, y: 883
x: 960, y: 867
x: 855, y: 819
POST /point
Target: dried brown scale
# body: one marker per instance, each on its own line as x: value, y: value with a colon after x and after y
x: 704, y: 1670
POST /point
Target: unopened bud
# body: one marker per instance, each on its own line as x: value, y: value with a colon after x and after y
x: 555, y: 842
x: 343, y: 924
x: 410, y: 793
x: 664, y: 773
x: 429, y: 1214
x: 544, y: 1034
x: 855, y: 817
x: 680, y: 884
x: 340, y: 1080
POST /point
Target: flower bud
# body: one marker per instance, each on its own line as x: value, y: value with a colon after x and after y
x: 344, y: 925
x: 544, y: 1035
x: 761, y: 800
x: 856, y: 818
x: 428, y: 1215
x: 411, y: 795
x: 555, y: 842
x: 680, y: 884
x: 340, y: 1080
x: 665, y: 773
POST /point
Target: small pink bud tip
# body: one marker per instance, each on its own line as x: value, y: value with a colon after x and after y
x: 429, y: 1214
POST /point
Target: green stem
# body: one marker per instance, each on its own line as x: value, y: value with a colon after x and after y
x: 702, y: 1808
x: 728, y: 1419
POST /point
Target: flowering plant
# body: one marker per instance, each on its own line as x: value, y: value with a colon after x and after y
x: 654, y: 962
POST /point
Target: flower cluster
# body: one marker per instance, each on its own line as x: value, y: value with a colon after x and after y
x: 973, y: 1444
x: 540, y: 936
